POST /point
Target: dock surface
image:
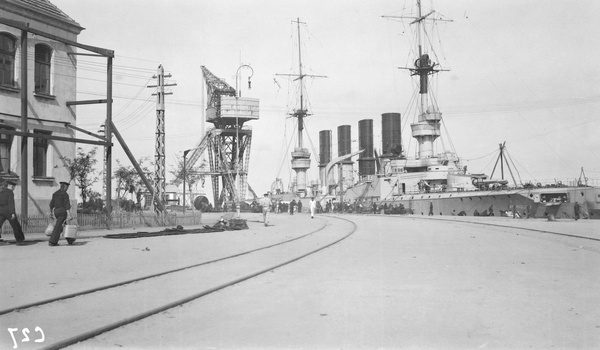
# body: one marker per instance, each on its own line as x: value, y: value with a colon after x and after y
x: 394, y: 282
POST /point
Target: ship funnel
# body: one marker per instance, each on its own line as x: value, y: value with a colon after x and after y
x: 325, y: 157
x: 366, y: 161
x: 345, y: 147
x: 391, y: 135
x: 344, y: 140
x: 324, y: 147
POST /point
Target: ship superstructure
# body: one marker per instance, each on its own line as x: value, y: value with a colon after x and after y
x: 435, y: 183
x: 427, y: 171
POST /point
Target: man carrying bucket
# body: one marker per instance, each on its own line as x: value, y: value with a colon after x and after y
x: 60, y: 206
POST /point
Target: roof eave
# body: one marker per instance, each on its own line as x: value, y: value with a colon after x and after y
x: 65, y: 23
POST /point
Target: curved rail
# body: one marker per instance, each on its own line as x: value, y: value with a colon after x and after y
x: 92, y: 333
x: 122, y: 283
x: 500, y: 225
x: 515, y: 227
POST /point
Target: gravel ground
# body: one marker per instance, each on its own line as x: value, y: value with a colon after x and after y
x: 397, y: 282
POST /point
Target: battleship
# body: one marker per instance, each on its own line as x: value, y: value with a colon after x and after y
x: 435, y: 183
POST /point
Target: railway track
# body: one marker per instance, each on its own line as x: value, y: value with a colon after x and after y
x: 530, y: 229
x: 534, y: 230
x: 75, y: 317
x: 498, y: 225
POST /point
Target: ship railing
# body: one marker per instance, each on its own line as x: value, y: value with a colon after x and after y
x: 554, y: 183
x: 550, y: 183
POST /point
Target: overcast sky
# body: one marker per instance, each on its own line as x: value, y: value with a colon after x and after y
x: 524, y: 72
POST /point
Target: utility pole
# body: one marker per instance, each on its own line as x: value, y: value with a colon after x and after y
x: 102, y: 131
x: 159, y: 173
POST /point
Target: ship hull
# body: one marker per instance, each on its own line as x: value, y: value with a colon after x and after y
x: 535, y: 202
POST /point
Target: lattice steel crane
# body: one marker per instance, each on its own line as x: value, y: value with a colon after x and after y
x: 228, y: 143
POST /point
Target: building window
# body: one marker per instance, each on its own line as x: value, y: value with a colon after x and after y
x: 40, y: 152
x: 43, y: 54
x: 7, y: 60
x: 5, y: 145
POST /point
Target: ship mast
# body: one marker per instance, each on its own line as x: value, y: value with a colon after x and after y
x: 300, y: 155
x: 427, y: 129
x: 300, y: 113
x: 423, y: 81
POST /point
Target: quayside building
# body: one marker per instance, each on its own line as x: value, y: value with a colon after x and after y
x: 38, y: 69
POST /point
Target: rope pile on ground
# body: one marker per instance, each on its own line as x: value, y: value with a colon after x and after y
x: 221, y: 225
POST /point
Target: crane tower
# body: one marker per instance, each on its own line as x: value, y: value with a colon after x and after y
x: 228, y: 143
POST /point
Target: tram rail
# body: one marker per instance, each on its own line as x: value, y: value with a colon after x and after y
x: 524, y: 228
x: 273, y: 256
x: 495, y: 224
x: 122, y: 283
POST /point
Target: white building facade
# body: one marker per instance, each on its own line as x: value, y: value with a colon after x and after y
x: 48, y: 78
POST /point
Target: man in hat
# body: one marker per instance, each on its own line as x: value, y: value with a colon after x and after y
x: 60, y: 206
x: 7, y: 209
x: 265, y: 202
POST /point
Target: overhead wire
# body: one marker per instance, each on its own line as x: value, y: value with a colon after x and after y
x: 141, y: 112
x: 134, y: 98
x: 484, y: 156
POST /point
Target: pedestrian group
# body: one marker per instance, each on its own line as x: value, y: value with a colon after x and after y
x: 60, y: 206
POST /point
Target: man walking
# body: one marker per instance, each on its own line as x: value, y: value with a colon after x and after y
x: 313, y: 206
x: 60, y: 206
x: 265, y: 202
x: 7, y: 209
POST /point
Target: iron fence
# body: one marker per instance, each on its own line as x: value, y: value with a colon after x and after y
x: 38, y: 223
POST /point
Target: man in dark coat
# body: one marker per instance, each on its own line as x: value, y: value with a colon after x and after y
x: 7, y: 209
x: 60, y: 206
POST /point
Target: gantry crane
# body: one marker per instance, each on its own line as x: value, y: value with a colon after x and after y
x: 228, y: 143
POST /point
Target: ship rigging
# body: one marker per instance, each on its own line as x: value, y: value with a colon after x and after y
x: 300, y: 155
